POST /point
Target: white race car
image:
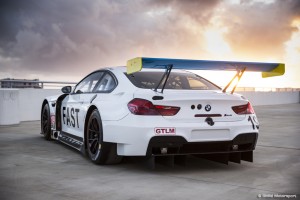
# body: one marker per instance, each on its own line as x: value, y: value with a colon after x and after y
x: 161, y: 110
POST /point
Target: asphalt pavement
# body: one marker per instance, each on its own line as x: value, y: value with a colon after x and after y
x: 33, y: 168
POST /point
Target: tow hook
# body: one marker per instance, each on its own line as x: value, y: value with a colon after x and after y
x: 209, y: 121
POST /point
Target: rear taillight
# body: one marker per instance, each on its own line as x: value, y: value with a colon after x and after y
x: 145, y: 107
x: 243, y: 109
x: 142, y: 107
x: 167, y: 110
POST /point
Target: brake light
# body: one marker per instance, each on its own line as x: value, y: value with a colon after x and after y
x: 243, y: 109
x: 145, y: 107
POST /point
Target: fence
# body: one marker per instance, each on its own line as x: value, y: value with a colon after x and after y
x: 18, y: 105
x: 265, y: 89
x: 11, y: 83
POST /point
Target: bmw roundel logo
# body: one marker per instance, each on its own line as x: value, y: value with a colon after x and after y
x: 207, y: 107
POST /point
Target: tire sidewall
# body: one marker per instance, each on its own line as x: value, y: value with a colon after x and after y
x: 99, y: 156
x: 47, y: 135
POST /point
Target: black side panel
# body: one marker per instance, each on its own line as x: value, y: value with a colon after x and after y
x: 235, y: 157
x: 71, y: 140
x: 217, y: 157
x: 79, y: 139
x: 247, y: 156
x: 58, y: 111
x: 177, y: 145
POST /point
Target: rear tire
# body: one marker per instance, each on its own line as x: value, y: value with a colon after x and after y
x: 45, y: 122
x: 99, y: 152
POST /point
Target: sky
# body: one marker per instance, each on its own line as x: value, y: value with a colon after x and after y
x: 64, y: 40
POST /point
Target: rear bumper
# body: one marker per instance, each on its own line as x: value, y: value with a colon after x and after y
x: 177, y: 145
x: 136, y: 136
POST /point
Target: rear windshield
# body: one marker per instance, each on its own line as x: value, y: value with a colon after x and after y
x: 176, y: 81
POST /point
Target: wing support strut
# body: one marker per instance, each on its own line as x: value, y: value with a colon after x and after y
x: 238, y: 75
x: 166, y: 77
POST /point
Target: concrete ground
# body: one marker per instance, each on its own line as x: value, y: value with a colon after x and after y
x: 32, y: 168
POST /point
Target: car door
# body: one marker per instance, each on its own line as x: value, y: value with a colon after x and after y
x: 75, y: 106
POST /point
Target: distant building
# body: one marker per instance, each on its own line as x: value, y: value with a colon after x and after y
x: 19, y: 83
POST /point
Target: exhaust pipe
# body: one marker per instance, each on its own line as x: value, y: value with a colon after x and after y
x: 54, y: 135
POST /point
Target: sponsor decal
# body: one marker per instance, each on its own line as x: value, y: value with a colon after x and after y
x: 52, y: 118
x: 70, y: 116
x: 165, y: 131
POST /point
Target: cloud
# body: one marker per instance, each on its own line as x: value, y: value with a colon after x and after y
x: 59, y: 36
x: 74, y: 37
x: 259, y: 29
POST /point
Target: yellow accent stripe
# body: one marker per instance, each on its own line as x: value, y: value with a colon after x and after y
x: 134, y: 65
x: 278, y: 71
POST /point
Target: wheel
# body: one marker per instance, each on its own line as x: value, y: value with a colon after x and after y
x: 95, y: 148
x: 99, y: 152
x: 46, y: 123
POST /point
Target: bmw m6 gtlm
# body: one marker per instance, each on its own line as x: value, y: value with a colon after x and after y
x: 154, y: 108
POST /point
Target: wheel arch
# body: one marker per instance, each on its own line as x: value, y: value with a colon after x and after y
x: 109, y: 149
x: 43, y: 104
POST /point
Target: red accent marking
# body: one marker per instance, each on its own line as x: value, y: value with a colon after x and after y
x: 165, y: 131
x: 52, y: 117
x: 208, y: 115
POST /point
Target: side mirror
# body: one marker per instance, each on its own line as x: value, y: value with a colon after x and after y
x: 66, y: 89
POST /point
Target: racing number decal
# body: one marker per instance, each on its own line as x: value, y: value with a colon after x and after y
x: 69, y: 115
x: 250, y: 119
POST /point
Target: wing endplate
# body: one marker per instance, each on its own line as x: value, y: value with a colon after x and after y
x: 134, y: 65
x: 278, y: 71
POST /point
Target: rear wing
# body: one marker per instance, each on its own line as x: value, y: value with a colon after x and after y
x: 267, y: 69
